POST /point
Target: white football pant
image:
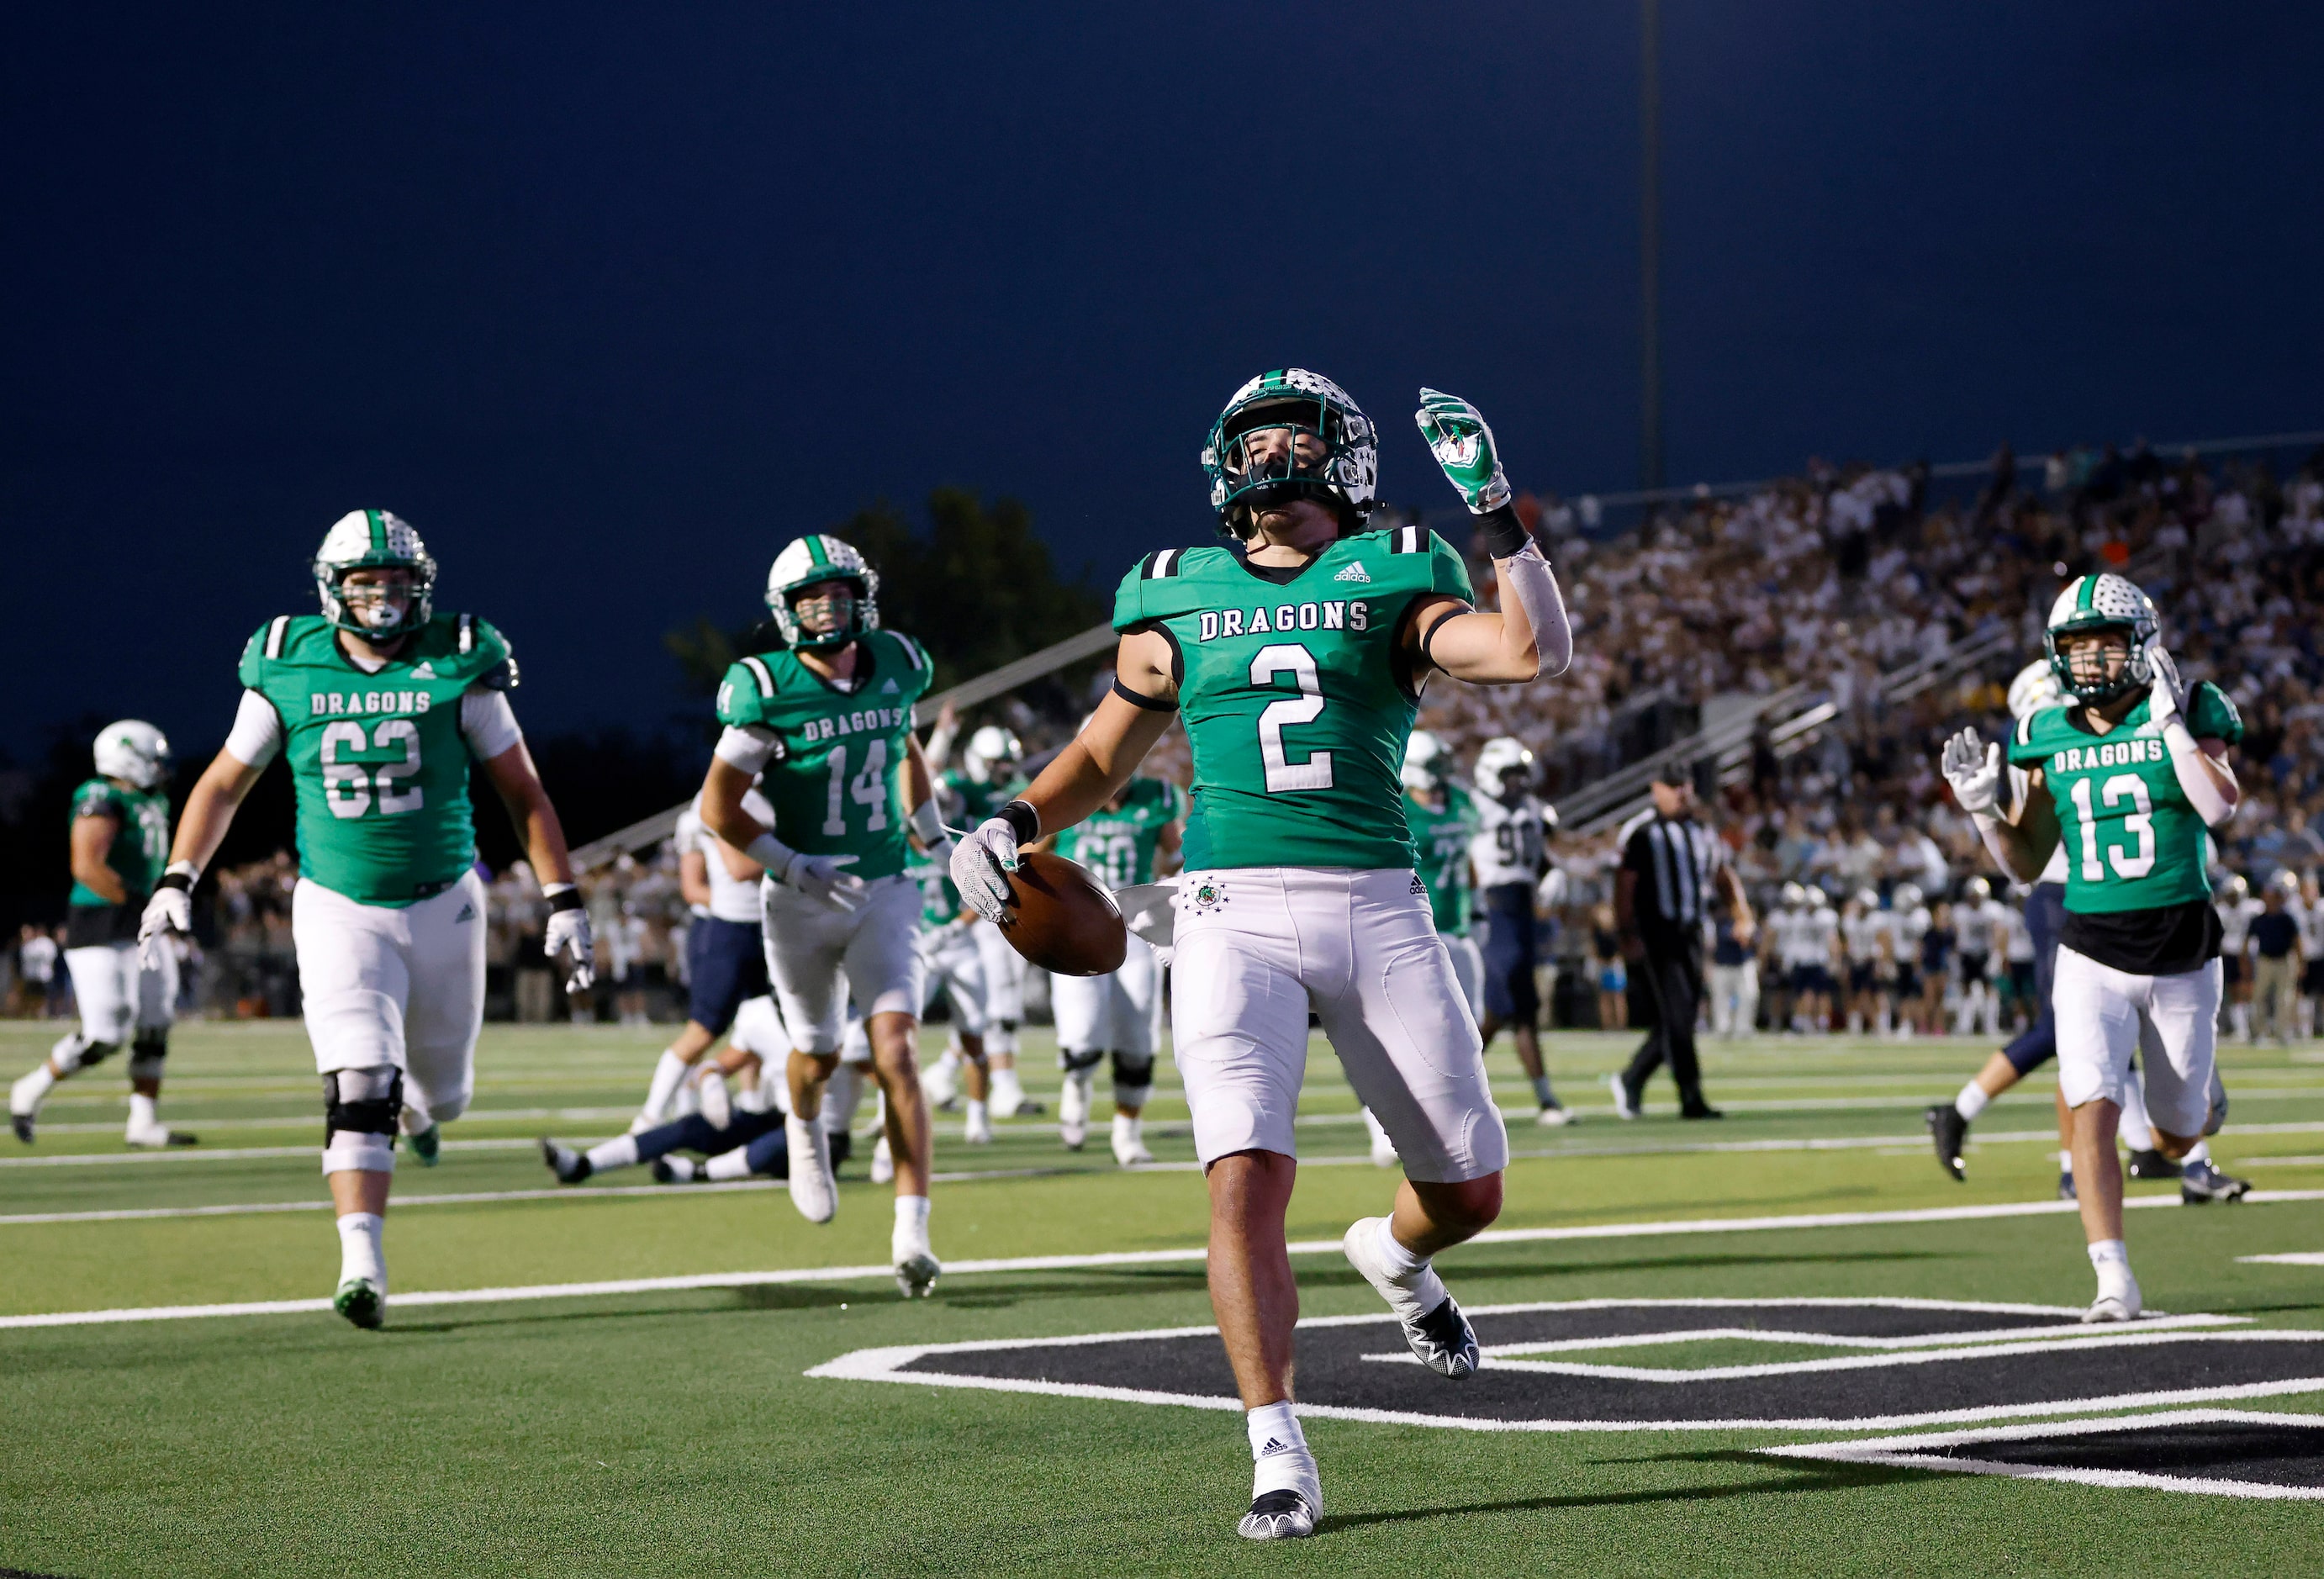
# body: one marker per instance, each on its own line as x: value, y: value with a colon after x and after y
x: 817, y: 955
x: 117, y: 995
x: 1116, y: 1014
x: 2104, y: 1015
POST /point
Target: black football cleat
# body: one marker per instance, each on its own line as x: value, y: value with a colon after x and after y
x: 2151, y: 1165
x: 1948, y: 1130
x: 2066, y: 1191
x: 2200, y: 1183
x: 1278, y: 1515
x: 1699, y: 1109
x: 23, y: 1125
x: 570, y: 1165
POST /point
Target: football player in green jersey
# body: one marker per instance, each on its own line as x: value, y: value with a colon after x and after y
x: 2130, y: 774
x: 120, y: 840
x: 379, y: 704
x: 827, y: 728
x: 1123, y: 844
x: 988, y: 775
x: 1296, y: 655
x: 954, y: 968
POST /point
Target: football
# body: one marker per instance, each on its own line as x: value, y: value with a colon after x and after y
x: 1066, y: 922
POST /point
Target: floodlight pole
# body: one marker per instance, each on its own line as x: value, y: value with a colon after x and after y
x: 1650, y: 241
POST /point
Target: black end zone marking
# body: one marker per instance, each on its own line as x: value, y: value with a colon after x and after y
x: 1558, y: 1367
x: 2222, y: 1453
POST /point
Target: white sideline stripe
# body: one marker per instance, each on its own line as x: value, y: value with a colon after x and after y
x: 1901, y: 1452
x: 2301, y: 1258
x: 1163, y: 1256
x: 309, y: 1121
x: 232, y: 1153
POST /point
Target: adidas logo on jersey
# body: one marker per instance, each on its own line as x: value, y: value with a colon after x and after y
x: 889, y: 688
x: 1355, y: 572
x: 423, y: 669
x: 1336, y: 615
x: 467, y: 913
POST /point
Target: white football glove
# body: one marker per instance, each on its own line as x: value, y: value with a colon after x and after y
x: 568, y: 935
x: 170, y: 909
x: 826, y: 878
x: 1972, y: 764
x: 2167, y: 698
x: 980, y: 863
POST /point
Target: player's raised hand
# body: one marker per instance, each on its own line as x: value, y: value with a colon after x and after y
x: 2167, y: 699
x: 981, y: 864
x: 826, y: 878
x: 567, y: 935
x: 1463, y: 446
x: 1972, y: 764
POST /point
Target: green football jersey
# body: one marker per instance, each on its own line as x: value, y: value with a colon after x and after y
x: 377, y: 760
x: 140, y: 850
x: 835, y: 781
x: 1295, y: 704
x: 939, y: 899
x: 1442, y: 835
x: 2132, y: 840
x: 1118, y: 843
x: 977, y: 802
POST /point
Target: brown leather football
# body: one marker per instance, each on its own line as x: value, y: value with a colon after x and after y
x: 1066, y: 921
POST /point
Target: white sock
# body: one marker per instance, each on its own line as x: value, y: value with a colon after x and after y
x: 359, y: 1248
x: 140, y: 1113
x: 1971, y: 1100
x: 978, y: 1113
x: 2110, y: 1260
x: 2201, y: 1153
x: 666, y: 1076
x: 729, y: 1165
x: 2137, y: 1132
x: 1280, y: 1458
x: 27, y: 1094
x: 911, y: 1232
x: 840, y: 1096
x: 620, y: 1153
x: 1007, y: 1090
x: 2065, y: 1162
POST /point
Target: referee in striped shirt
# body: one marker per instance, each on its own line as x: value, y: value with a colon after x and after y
x: 1663, y: 895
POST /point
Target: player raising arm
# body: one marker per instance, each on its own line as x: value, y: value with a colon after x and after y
x: 1296, y: 654
x: 379, y: 704
x: 2129, y: 773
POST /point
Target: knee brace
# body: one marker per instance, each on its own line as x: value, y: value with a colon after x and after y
x: 146, y: 1053
x: 1133, y: 1079
x: 360, y: 1111
x: 76, y: 1052
x: 1073, y: 1063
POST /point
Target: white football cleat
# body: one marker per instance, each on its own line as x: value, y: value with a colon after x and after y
x: 1437, y: 1333
x: 883, y: 1162
x: 2118, y: 1300
x: 977, y: 1128
x: 1557, y: 1115
x: 940, y: 1081
x: 1130, y: 1142
x: 1072, y: 1109
x: 812, y: 1189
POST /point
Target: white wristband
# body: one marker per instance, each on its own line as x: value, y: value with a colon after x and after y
x: 772, y: 854
x: 926, y: 823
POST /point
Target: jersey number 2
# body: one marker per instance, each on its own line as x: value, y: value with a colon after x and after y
x: 1283, y: 775
x: 347, y: 787
x: 2140, y: 822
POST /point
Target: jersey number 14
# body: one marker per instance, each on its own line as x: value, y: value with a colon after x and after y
x: 869, y: 789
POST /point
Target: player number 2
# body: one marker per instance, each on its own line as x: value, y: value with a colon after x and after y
x: 2140, y: 824
x: 869, y: 788
x: 347, y: 787
x: 1283, y: 775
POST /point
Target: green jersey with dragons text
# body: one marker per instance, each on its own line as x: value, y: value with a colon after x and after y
x: 835, y: 777
x: 1118, y: 843
x: 1442, y: 833
x: 2133, y: 841
x: 976, y: 802
x: 940, y: 903
x: 1296, y: 701
x: 140, y: 850
x: 377, y: 759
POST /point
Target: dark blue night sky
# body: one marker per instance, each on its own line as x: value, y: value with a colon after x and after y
x: 611, y: 304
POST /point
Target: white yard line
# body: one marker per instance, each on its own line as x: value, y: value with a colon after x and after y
x: 2298, y: 1257
x: 1095, y: 1261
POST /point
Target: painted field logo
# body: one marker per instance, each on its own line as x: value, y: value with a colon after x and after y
x: 1673, y: 1365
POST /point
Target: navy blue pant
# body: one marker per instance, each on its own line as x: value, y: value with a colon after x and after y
x: 769, y: 1152
x: 2045, y: 918
x: 1512, y: 950
x: 726, y: 962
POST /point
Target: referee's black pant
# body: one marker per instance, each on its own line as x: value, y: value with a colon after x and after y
x: 1672, y: 974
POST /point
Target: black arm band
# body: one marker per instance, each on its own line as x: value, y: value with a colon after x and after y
x: 177, y: 879
x: 1501, y: 532
x: 567, y: 900
x: 1151, y: 703
x: 1428, y: 641
x: 1022, y: 820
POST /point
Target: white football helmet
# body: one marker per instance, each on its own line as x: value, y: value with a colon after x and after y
x: 2235, y: 888
x: 1867, y: 899
x: 134, y: 751
x: 1795, y: 897
x: 1906, y: 896
x: 2286, y: 881
x: 2035, y: 689
x: 1505, y: 768
x: 809, y: 561
x: 1426, y: 760
x: 1976, y: 890
x: 989, y: 749
x: 374, y: 539
x: 2104, y: 602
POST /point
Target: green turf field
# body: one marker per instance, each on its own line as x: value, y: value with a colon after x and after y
x: 671, y: 1430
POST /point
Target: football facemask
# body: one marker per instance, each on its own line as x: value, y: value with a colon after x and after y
x: 1287, y: 435
x: 377, y: 608
x: 2102, y: 605
x: 822, y: 593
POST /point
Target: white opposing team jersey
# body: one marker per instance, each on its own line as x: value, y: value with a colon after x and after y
x: 1508, y: 846
x: 1819, y: 929
x: 1984, y: 928
x: 1860, y: 934
x: 1910, y: 927
x: 2235, y: 922
x: 1779, y: 927
x: 2311, y: 930
x: 732, y: 898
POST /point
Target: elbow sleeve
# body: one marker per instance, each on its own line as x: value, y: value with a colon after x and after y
x: 1535, y: 584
